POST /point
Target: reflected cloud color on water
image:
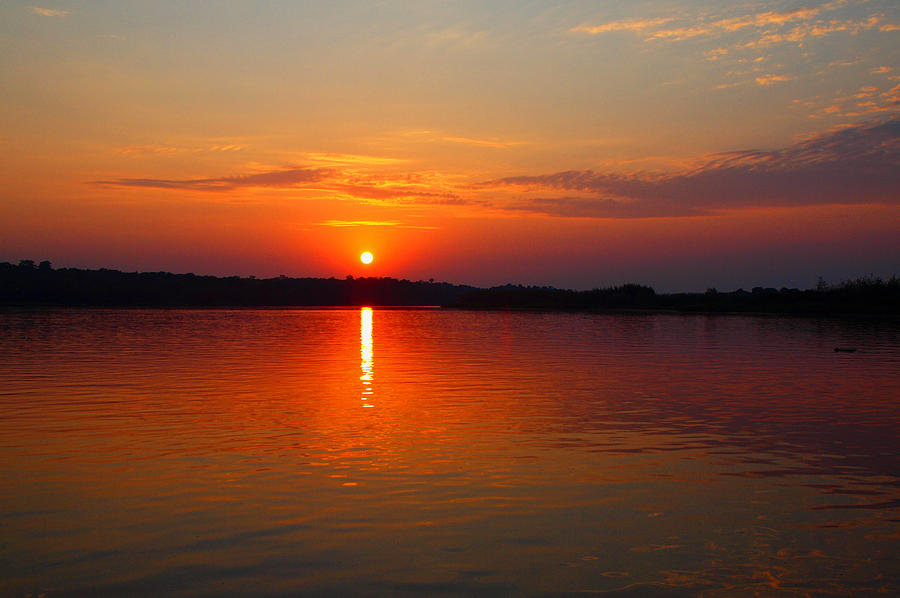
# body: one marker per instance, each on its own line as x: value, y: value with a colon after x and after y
x: 225, y: 452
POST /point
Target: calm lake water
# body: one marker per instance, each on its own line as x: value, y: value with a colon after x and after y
x: 429, y: 453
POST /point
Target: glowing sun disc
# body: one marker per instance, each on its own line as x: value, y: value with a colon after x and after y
x: 366, y: 258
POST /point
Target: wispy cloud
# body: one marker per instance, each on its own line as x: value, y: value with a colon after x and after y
x: 766, y: 80
x: 715, y: 53
x: 730, y: 85
x: 853, y: 165
x: 705, y: 27
x: 49, y: 12
x: 441, y: 137
x: 868, y: 100
x: 336, y: 183
x: 154, y: 148
x: 279, y: 178
x: 361, y: 223
x: 733, y: 24
x: 483, y: 142
x: 395, y: 193
x: 350, y: 159
x: 744, y: 37
x: 768, y: 27
x: 804, y: 31
x: 835, y: 63
x: 635, y: 25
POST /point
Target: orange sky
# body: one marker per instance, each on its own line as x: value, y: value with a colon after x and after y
x: 678, y: 144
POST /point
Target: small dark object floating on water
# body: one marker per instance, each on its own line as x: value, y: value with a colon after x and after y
x: 844, y: 350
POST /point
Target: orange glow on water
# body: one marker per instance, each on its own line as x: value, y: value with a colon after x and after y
x: 475, y: 410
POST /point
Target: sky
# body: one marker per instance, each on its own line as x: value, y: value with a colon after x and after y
x: 683, y: 144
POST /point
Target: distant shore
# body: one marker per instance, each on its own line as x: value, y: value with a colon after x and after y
x: 866, y: 296
x: 28, y: 284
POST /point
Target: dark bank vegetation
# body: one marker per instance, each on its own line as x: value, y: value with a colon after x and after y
x: 29, y: 283
x: 861, y: 296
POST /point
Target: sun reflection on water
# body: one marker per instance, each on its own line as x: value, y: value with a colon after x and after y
x: 366, y: 355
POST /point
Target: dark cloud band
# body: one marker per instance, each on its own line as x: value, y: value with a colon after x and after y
x: 855, y: 165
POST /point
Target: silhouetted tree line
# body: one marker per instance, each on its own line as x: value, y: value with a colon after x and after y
x: 29, y: 283
x: 860, y: 296
x: 629, y: 296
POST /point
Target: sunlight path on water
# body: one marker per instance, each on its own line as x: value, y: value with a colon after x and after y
x: 367, y: 355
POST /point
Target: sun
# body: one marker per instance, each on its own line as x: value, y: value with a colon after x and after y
x: 366, y: 258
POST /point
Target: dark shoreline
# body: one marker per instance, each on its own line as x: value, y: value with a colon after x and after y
x: 37, y: 309
x: 673, y: 312
x: 27, y: 286
x: 862, y: 297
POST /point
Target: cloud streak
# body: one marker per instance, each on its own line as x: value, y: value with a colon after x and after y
x: 49, y: 12
x: 279, y: 178
x: 484, y: 142
x: 171, y: 149
x: 634, y: 25
x: 854, y: 165
x: 769, y: 27
x: 731, y: 25
x: 332, y: 182
x: 654, y: 30
x: 361, y: 223
x: 766, y: 80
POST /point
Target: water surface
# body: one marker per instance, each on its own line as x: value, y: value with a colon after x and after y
x: 431, y: 452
